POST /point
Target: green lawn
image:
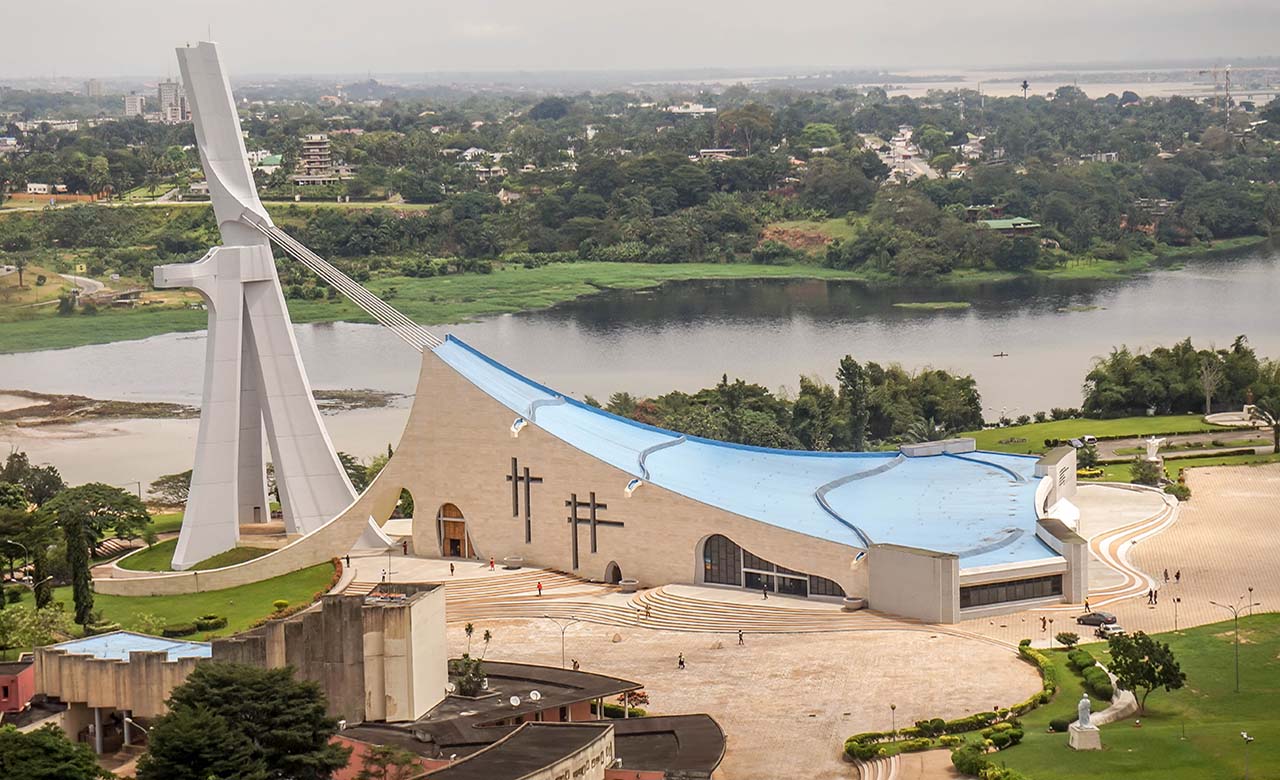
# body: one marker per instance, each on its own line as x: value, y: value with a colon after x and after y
x: 167, y: 522
x: 1211, y: 712
x: 1119, y: 472
x: 157, y: 557
x: 1036, y: 433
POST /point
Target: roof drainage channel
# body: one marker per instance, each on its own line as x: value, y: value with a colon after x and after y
x: 647, y: 451
x: 1015, y: 475
x: 538, y: 403
x: 820, y: 495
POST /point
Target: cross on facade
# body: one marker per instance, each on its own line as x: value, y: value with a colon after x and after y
x: 521, y: 477
x: 593, y: 508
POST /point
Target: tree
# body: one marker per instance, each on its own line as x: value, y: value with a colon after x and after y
x: 1142, y: 664
x: 1144, y: 472
x: 1087, y: 456
x: 196, y: 744
x: 1266, y: 399
x: 469, y: 629
x: 41, y: 482
x: 20, y: 263
x: 172, y: 489
x: 1068, y: 639
x: 819, y: 134
x: 46, y: 754
x: 747, y: 124
x: 85, y: 514
x: 275, y: 724
x: 388, y: 762
x: 356, y: 471
x: 1211, y: 375
x: 13, y: 497
x: 27, y: 628
x: 550, y: 108
x: 853, y: 395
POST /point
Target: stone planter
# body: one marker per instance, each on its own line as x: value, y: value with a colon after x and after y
x: 853, y: 603
x: 628, y: 585
x: 512, y: 562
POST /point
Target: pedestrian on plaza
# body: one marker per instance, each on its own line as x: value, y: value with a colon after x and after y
x: 1086, y: 606
x: 740, y: 642
x: 576, y: 665
x: 1151, y: 596
x: 765, y: 590
x: 539, y: 588
x: 1177, y: 576
x: 348, y: 560
x: 1044, y: 623
x: 1166, y: 575
x: 491, y: 563
x: 1155, y: 597
x: 680, y: 661
x: 646, y: 611
x: 384, y: 575
x: 404, y: 546
x: 451, y: 570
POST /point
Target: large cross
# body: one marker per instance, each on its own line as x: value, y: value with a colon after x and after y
x: 519, y: 477
x: 593, y: 508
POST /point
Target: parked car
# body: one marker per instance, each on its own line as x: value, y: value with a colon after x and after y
x: 1096, y: 619
x: 1108, y: 630
x: 1087, y: 439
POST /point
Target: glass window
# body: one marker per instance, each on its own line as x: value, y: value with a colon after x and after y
x: 754, y: 581
x: 725, y: 563
x: 721, y: 561
x: 1016, y: 590
x: 793, y: 586
x: 821, y: 586
x: 750, y: 561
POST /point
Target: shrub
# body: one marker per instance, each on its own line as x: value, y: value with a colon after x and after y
x: 1001, y: 740
x: 950, y: 740
x: 1079, y: 660
x: 1024, y: 643
x: 178, y: 629
x: 1068, y: 638
x: 1059, y: 725
x: 1178, y: 490
x: 612, y: 710
x: 280, y: 604
x: 13, y: 595
x: 968, y: 759
x: 1015, y: 736
x: 210, y: 622
x: 915, y: 745
x: 101, y: 628
x: 861, y: 751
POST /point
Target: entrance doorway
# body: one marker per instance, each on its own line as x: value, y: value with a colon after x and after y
x: 452, y: 528
x: 613, y: 573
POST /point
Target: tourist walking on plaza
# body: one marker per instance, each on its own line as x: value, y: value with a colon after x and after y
x: 1166, y: 575
x: 740, y: 642
x: 1177, y: 576
x: 451, y: 570
x: 576, y: 665
x: 539, y: 588
x: 680, y: 661
x: 765, y: 590
x: 646, y: 611
x: 1151, y: 596
x: 490, y: 563
x: 1044, y: 623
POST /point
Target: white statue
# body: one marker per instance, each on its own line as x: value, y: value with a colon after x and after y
x: 1153, y: 448
x: 1083, y: 710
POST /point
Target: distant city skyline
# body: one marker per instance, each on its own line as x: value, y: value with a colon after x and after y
x: 78, y: 38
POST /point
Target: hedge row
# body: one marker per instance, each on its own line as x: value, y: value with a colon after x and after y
x: 973, y: 760
x: 178, y: 629
x: 210, y: 622
x: 296, y: 608
x: 1096, y: 681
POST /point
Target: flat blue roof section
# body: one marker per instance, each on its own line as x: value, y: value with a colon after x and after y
x: 117, y: 645
x: 979, y: 505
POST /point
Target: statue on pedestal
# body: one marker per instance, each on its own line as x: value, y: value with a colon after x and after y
x: 1153, y: 448
x: 1083, y: 710
x: 1082, y: 734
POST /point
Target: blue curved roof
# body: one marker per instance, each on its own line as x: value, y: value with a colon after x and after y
x: 979, y: 505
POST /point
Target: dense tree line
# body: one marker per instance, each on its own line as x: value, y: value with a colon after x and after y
x: 1173, y: 380
x: 870, y: 405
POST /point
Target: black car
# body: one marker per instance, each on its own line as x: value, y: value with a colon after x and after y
x: 1096, y: 619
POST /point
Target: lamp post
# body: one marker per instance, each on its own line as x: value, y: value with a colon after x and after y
x: 1244, y: 735
x: 1235, y: 614
x: 1251, y: 600
x: 1051, y: 640
x: 893, y: 719
x: 1176, y: 601
x: 563, y: 628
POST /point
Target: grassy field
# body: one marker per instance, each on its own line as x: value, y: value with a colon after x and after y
x: 998, y: 439
x: 167, y: 522
x: 1212, y: 714
x: 158, y: 556
x: 1120, y: 472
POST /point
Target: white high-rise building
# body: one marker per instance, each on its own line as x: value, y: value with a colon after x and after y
x: 135, y: 105
x: 172, y: 102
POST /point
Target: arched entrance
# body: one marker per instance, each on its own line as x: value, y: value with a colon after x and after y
x: 613, y: 573
x: 452, y: 527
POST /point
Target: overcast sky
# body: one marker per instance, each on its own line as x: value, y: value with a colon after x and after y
x: 136, y: 37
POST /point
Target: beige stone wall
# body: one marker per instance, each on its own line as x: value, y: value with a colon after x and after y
x: 457, y: 449
x: 140, y: 684
x: 914, y: 583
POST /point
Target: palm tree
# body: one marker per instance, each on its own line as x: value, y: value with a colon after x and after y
x: 925, y: 430
x: 469, y: 629
x: 20, y: 263
x: 488, y: 637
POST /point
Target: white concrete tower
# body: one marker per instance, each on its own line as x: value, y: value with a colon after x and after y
x: 254, y: 380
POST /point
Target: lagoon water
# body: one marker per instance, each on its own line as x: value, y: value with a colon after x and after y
x: 684, y: 335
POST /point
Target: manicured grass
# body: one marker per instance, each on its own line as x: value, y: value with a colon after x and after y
x: 1120, y: 472
x: 1199, y: 445
x: 167, y: 522
x: 1212, y: 714
x: 1036, y: 433
x: 242, y: 605
x: 158, y: 556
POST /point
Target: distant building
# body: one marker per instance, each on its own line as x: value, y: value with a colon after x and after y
x: 171, y: 102
x: 93, y: 88
x: 716, y: 154
x: 330, y: 100
x: 1015, y: 226
x: 690, y: 109
x: 17, y: 685
x: 1103, y: 157
x: 38, y: 188
x: 315, y: 162
x: 135, y: 105
x: 8, y: 145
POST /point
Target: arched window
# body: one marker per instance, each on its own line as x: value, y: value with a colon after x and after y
x: 721, y: 561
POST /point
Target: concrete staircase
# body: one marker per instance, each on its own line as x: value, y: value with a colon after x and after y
x: 878, y: 768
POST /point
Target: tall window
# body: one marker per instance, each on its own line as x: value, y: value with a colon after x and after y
x: 721, y: 560
x: 1015, y: 590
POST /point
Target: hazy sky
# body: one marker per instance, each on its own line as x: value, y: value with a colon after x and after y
x: 136, y: 37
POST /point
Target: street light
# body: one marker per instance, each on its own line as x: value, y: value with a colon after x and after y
x: 1251, y: 599
x: 1176, y: 601
x: 563, y: 627
x: 893, y: 719
x: 1235, y: 614
x: 1247, y: 739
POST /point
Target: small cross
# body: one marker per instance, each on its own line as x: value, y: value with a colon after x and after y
x: 593, y: 519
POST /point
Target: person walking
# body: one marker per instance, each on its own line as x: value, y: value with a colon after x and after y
x: 1086, y: 606
x: 1166, y: 575
x: 348, y: 560
x: 740, y: 640
x: 1155, y: 597
x: 576, y: 665
x: 765, y: 590
x: 491, y: 563
x: 1151, y: 596
x: 404, y: 546
x: 451, y: 570
x: 647, y: 611
x: 539, y: 588
x: 1044, y: 623
x: 680, y: 661
x: 384, y: 575
x: 1177, y: 576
